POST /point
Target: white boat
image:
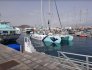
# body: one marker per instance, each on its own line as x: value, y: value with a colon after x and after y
x: 28, y: 30
x: 41, y: 39
x: 50, y: 38
x: 37, y: 38
x: 8, y: 32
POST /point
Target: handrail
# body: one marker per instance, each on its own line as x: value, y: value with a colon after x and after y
x: 74, y: 54
x: 74, y: 65
x: 86, y: 62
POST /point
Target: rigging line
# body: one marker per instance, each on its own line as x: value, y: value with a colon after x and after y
x: 58, y: 13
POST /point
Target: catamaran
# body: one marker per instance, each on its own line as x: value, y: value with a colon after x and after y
x: 50, y: 38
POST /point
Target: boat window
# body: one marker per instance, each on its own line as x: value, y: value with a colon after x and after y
x: 12, y: 32
x: 5, y: 32
x: 2, y: 23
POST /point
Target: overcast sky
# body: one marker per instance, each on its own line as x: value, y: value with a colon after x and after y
x: 29, y: 12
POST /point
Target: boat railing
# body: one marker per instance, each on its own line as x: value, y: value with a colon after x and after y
x: 84, y: 64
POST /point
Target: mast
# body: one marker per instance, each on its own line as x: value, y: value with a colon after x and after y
x: 58, y: 14
x: 49, y: 16
x: 0, y: 16
x: 86, y: 18
x: 80, y: 17
x: 42, y: 13
x: 49, y: 7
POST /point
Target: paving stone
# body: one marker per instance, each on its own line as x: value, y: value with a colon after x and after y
x: 23, y: 59
x: 27, y: 61
x: 32, y: 64
x: 31, y: 61
x: 40, y: 68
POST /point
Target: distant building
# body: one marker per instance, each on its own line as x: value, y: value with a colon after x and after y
x: 24, y: 26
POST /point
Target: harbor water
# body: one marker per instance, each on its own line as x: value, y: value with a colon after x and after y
x: 80, y: 45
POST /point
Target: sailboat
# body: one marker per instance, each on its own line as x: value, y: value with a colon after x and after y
x: 58, y: 38
x: 51, y: 39
x: 41, y: 38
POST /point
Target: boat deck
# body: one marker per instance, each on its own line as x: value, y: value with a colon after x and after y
x: 11, y: 59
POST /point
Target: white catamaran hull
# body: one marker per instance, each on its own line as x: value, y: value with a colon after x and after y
x: 38, y: 39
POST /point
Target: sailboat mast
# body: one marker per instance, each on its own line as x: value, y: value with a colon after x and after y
x: 80, y: 17
x: 49, y: 7
x: 42, y: 13
x: 0, y: 16
x: 58, y: 14
x: 49, y: 16
x: 86, y: 19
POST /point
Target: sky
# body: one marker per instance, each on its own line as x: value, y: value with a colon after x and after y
x: 71, y: 12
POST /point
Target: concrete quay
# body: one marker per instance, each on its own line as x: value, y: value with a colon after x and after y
x: 11, y: 59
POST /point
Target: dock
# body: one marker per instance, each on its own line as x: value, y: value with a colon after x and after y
x: 11, y: 59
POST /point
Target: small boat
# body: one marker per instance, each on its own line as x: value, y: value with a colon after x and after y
x: 8, y: 32
x: 83, y: 35
x: 28, y: 30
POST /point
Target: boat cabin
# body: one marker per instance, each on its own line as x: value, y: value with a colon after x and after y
x: 6, y: 28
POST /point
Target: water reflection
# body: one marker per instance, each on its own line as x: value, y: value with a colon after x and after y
x: 67, y: 43
x: 57, y: 46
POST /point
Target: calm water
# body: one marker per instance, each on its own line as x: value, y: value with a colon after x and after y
x: 78, y: 45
